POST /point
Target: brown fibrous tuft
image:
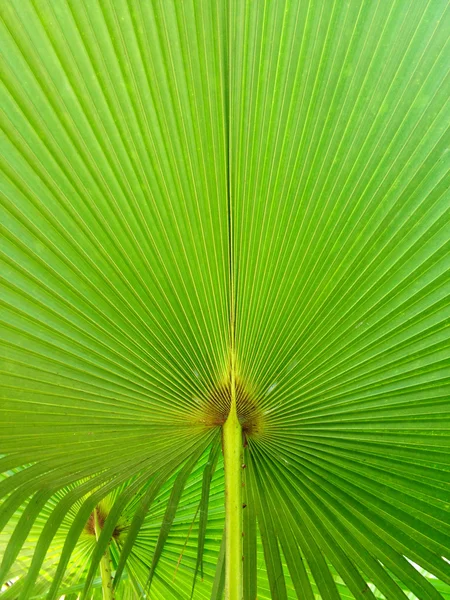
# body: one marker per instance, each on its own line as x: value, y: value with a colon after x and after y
x: 89, y: 528
x: 216, y: 406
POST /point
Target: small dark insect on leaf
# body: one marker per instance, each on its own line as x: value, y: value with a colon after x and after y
x: 244, y: 466
x: 244, y: 505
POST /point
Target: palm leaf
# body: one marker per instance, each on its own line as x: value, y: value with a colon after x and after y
x: 208, y: 205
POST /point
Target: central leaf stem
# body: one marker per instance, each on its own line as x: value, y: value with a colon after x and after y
x: 232, y: 430
x: 232, y: 451
x: 105, y: 564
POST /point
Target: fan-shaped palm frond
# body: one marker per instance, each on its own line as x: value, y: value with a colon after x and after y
x: 224, y: 299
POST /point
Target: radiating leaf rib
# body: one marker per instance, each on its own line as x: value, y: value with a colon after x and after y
x: 107, y: 530
x: 397, y: 538
x: 290, y: 549
x: 343, y: 564
x: 351, y: 545
x: 136, y: 523
x: 203, y: 506
x: 171, y: 510
x: 219, y: 579
x: 390, y: 557
x: 53, y: 524
x: 268, y: 535
x: 249, y: 543
x: 33, y: 508
x: 297, y: 570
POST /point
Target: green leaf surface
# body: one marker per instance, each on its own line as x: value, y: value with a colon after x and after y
x: 203, y: 196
